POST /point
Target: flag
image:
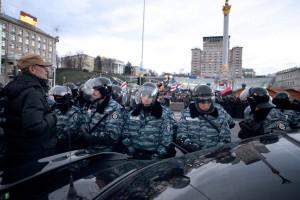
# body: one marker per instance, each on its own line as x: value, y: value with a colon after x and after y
x: 27, y: 18
x: 175, y: 87
x: 124, y: 85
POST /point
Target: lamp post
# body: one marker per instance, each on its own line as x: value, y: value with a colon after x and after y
x: 142, y: 55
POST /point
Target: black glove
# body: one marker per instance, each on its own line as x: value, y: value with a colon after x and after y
x: 98, y: 139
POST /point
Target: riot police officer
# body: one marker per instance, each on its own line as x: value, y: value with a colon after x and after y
x: 204, y: 123
x: 148, y: 128
x: 117, y: 94
x: 285, y: 105
x: 69, y: 120
x: 260, y: 116
x: 105, y: 118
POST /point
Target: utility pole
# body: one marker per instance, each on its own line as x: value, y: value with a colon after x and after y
x: 142, y: 56
x: 56, y: 56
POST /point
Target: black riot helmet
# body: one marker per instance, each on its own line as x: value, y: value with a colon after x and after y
x: 70, y: 85
x: 148, y: 90
x: 203, y: 96
x: 102, y: 84
x: 281, y: 99
x: 62, y: 94
x: 117, y: 94
x: 73, y: 87
x: 259, y: 98
x: 203, y: 93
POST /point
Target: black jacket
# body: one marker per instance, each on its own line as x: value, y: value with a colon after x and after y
x: 30, y: 124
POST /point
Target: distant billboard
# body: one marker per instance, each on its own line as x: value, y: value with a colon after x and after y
x: 28, y: 19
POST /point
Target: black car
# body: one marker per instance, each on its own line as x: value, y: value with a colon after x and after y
x: 265, y: 167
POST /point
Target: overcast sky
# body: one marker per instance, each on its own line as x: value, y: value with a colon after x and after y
x: 268, y: 30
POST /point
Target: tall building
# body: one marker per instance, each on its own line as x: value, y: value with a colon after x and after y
x: 235, y: 62
x: 20, y: 38
x: 195, y: 68
x: 208, y: 62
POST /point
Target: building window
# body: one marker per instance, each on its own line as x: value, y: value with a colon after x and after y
x: 12, y: 46
x: 44, y: 47
x: 3, y: 26
x: 26, y: 34
x: 32, y: 43
x: 19, y: 47
x: 13, y: 29
x: 39, y: 45
x: 3, y: 43
x: 20, y: 32
x: 3, y: 52
x: 50, y: 49
x: 33, y: 36
x: 20, y: 39
x: 13, y: 37
x: 39, y: 38
x: 26, y: 41
x: 3, y: 34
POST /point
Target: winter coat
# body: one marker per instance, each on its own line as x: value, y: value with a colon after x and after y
x: 150, y: 131
x: 30, y: 124
x: 195, y: 133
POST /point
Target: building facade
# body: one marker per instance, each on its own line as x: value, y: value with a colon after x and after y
x: 248, y: 73
x: 235, y: 60
x: 111, y: 65
x: 208, y: 62
x: 78, y: 61
x: 289, y: 78
x: 20, y: 38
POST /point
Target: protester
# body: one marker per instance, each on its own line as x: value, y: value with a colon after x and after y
x: 30, y: 125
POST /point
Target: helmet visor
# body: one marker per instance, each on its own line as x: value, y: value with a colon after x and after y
x: 88, y: 87
x: 60, y: 91
x: 146, y: 95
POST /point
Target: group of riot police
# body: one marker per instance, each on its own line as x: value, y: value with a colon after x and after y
x: 265, y: 115
x: 146, y: 130
x: 149, y: 130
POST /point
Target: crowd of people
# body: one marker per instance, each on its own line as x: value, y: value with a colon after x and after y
x: 39, y: 122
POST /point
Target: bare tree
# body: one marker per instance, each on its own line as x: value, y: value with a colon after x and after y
x: 128, y: 69
x: 67, y: 62
x: 81, y: 60
x: 98, y: 64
